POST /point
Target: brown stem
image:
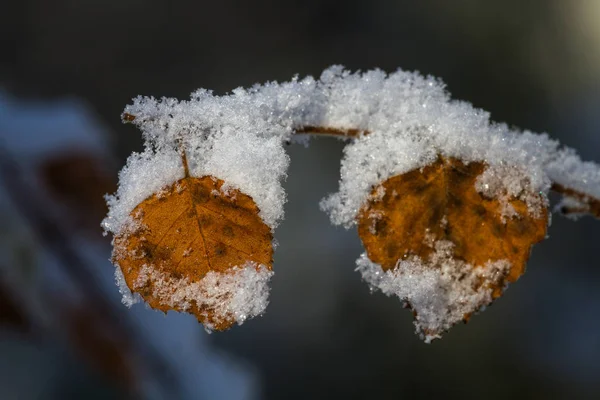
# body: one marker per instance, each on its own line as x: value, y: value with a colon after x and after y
x: 184, y: 160
x: 327, y: 131
x: 126, y: 117
x: 590, y: 205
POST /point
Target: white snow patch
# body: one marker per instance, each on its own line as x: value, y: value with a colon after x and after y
x: 145, y: 174
x: 503, y: 182
x: 441, y: 290
x: 248, y: 162
x: 411, y: 119
x: 240, y: 294
x: 568, y: 170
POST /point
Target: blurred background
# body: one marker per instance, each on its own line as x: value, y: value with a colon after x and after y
x: 67, y: 69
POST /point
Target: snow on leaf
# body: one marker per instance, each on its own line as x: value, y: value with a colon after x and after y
x: 405, y: 130
x: 442, y: 238
x: 200, y: 250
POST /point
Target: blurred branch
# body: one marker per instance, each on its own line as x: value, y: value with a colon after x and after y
x: 588, y: 204
x: 108, y: 328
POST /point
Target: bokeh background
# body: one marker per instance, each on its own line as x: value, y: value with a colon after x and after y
x: 67, y: 68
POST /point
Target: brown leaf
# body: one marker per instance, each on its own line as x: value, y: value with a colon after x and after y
x: 440, y: 202
x: 188, y: 230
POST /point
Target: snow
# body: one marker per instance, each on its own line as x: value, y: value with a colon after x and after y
x: 128, y: 298
x: 504, y: 182
x: 441, y: 290
x: 406, y: 120
x: 568, y: 170
x: 248, y: 162
x: 239, y: 294
x: 361, y: 170
x: 32, y: 131
x: 411, y: 119
x: 146, y: 173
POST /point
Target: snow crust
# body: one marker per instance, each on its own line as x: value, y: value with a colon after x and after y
x: 239, y: 294
x: 441, y: 290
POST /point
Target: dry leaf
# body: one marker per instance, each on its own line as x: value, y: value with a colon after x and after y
x: 408, y: 214
x: 188, y: 230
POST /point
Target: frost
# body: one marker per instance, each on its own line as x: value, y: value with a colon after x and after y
x: 503, y: 182
x: 145, y: 174
x: 239, y: 294
x: 248, y: 162
x: 567, y: 169
x: 415, y: 136
x: 128, y: 298
x: 410, y: 120
x: 441, y: 290
x: 368, y: 161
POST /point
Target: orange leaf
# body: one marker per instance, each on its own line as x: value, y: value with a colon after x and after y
x: 185, y: 232
x: 408, y: 215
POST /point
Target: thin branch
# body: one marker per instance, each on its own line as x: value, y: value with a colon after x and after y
x: 184, y: 160
x: 326, y: 131
x: 591, y: 205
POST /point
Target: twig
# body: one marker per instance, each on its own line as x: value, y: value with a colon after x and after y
x: 591, y: 204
